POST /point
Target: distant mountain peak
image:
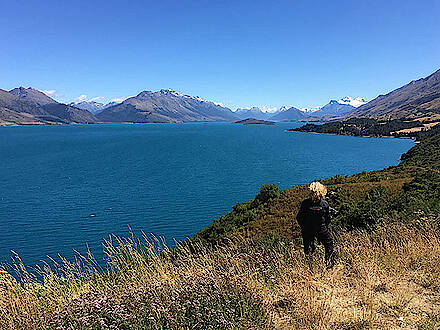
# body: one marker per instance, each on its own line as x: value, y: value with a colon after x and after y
x: 92, y: 106
x: 288, y: 114
x: 310, y: 110
x: 354, y: 102
x: 253, y: 112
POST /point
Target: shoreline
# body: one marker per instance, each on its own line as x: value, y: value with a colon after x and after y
x: 368, y: 136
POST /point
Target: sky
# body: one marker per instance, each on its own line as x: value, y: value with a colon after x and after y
x: 240, y: 53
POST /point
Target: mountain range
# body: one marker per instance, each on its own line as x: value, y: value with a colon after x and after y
x: 338, y: 107
x: 333, y: 108
x: 28, y: 106
x: 419, y: 100
x: 165, y: 106
x: 288, y: 114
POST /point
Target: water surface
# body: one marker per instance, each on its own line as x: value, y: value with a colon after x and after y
x: 65, y: 186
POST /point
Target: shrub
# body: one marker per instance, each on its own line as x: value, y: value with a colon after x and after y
x: 364, y: 213
x: 268, y: 192
x: 420, y: 194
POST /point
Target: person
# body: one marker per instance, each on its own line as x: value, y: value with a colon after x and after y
x: 313, y: 218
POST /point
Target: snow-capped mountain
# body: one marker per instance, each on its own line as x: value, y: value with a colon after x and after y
x: 166, y: 106
x: 310, y: 110
x: 92, y: 106
x: 284, y: 108
x: 354, y: 102
x: 175, y: 93
x: 288, y: 114
x: 336, y: 107
x: 254, y: 112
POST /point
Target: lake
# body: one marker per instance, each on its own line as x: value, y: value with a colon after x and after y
x: 63, y: 187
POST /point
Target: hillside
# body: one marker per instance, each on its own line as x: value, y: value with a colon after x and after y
x: 14, y: 118
x: 165, y: 106
x: 420, y: 99
x: 28, y: 106
x: 368, y: 127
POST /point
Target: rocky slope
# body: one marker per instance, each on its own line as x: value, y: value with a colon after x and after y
x: 166, y: 106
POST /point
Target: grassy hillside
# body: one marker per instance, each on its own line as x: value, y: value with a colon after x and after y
x: 247, y: 269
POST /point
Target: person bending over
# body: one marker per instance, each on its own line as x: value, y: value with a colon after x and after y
x: 313, y: 218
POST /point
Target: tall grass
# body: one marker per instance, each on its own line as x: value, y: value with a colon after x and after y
x: 388, y: 278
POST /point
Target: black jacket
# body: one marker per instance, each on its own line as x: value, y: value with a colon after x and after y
x: 313, y: 217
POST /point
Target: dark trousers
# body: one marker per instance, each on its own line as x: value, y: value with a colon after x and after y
x: 323, y: 237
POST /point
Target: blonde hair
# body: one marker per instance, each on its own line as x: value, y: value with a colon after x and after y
x: 317, y: 191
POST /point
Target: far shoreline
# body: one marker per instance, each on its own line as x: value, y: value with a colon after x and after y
x: 367, y: 136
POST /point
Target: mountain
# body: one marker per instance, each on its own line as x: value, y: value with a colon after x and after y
x: 338, y: 107
x: 309, y: 111
x: 22, y: 106
x: 354, y: 102
x: 420, y: 99
x: 333, y: 108
x: 14, y: 103
x: 288, y: 114
x: 166, y: 106
x: 32, y: 95
x: 253, y: 112
x: 92, y: 106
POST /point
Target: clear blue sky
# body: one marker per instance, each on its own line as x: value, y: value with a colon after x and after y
x: 240, y: 53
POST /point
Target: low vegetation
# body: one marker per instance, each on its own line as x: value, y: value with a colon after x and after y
x: 247, y: 269
x: 387, y: 278
x: 372, y: 127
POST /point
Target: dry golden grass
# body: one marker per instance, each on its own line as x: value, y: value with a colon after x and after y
x: 387, y: 279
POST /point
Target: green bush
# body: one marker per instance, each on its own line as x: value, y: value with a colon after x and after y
x: 420, y: 194
x: 268, y: 192
x: 364, y: 213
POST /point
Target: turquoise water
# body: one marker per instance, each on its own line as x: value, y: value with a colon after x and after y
x: 63, y: 187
